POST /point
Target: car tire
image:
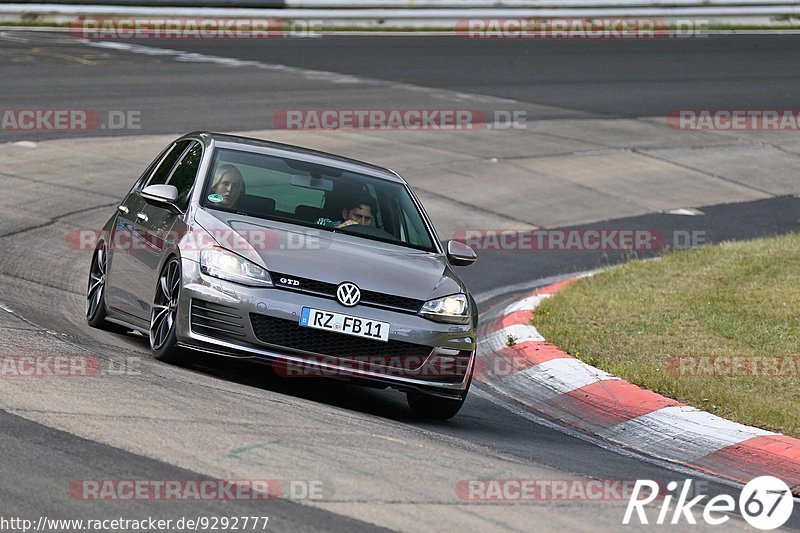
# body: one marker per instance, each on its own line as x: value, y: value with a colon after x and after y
x: 434, y: 407
x: 164, y: 314
x: 95, y: 292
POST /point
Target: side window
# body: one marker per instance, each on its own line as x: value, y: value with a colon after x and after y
x: 185, y: 172
x: 162, y: 172
x: 147, y: 173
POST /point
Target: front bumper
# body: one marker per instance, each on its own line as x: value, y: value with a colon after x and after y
x: 443, y: 368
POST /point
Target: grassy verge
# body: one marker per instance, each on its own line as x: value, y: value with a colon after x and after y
x: 667, y: 326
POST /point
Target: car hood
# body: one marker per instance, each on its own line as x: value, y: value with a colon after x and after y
x: 297, y: 251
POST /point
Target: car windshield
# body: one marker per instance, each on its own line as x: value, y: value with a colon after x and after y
x: 309, y: 194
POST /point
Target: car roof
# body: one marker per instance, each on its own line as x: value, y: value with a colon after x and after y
x: 252, y: 144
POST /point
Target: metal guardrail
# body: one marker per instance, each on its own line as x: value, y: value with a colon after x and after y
x: 149, y: 3
x: 422, y: 12
x: 522, y: 4
x: 439, y: 8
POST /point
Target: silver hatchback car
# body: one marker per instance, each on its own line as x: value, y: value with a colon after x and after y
x: 318, y: 265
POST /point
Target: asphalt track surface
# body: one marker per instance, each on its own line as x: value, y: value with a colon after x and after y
x: 584, y: 79
x: 608, y: 79
x: 613, y: 78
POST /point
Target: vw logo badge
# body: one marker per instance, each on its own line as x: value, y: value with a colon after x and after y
x: 348, y: 294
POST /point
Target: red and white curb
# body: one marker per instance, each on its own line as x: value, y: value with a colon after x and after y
x: 539, y: 375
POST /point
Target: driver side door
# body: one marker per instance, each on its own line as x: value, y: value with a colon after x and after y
x: 131, y: 243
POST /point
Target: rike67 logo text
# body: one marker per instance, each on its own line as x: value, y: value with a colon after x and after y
x: 765, y: 503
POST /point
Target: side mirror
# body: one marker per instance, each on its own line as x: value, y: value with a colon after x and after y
x: 459, y: 254
x: 161, y: 194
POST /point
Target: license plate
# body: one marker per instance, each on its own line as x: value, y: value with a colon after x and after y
x: 349, y: 325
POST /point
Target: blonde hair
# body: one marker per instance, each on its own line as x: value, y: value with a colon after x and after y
x: 225, y: 169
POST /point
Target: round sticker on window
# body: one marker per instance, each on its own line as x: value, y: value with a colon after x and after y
x: 216, y: 198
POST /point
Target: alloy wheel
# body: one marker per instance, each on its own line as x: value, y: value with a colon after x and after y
x: 97, y: 282
x: 165, y: 305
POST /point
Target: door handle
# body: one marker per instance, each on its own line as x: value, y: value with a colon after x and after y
x: 142, y: 217
x: 123, y: 209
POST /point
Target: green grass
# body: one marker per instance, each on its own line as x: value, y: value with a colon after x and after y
x: 738, y: 298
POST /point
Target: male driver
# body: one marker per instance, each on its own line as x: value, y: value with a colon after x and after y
x: 357, y: 211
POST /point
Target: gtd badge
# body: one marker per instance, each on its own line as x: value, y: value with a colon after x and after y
x: 287, y: 281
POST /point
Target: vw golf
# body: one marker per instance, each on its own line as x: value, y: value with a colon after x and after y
x: 316, y: 264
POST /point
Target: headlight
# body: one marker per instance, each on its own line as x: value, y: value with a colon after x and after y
x: 226, y: 265
x: 454, y: 308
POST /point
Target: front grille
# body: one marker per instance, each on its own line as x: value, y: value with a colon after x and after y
x: 368, y: 298
x: 216, y: 320
x: 390, y: 300
x: 289, y: 334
